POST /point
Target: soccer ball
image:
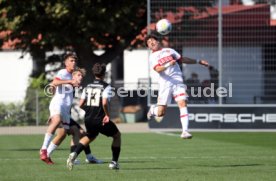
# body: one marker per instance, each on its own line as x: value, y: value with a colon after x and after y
x: 163, y: 26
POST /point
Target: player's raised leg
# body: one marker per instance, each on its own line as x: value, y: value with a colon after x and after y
x: 153, y: 111
x: 156, y: 112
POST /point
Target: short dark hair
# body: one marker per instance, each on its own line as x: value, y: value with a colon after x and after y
x: 99, y: 69
x: 68, y: 55
x: 148, y: 37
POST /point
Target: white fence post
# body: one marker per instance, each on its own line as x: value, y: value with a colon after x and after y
x: 37, y: 107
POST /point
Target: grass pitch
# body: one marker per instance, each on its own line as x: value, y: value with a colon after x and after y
x: 149, y: 156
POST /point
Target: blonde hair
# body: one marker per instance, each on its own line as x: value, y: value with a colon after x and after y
x: 81, y: 70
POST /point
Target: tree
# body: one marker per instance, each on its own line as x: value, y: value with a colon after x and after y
x: 80, y: 26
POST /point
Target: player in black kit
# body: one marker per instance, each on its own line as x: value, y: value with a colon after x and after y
x: 94, y: 101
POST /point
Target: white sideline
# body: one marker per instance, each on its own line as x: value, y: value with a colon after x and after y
x: 214, y: 130
x: 123, y: 127
x: 27, y: 130
x: 107, y: 159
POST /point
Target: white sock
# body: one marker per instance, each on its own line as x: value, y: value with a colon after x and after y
x: 184, y: 118
x: 154, y: 110
x: 51, y: 148
x: 47, y: 139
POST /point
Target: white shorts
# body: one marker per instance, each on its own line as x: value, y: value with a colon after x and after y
x: 165, y: 94
x: 64, y: 113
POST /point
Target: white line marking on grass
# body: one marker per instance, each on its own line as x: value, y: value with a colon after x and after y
x: 212, y: 130
x: 168, y: 134
x: 107, y: 159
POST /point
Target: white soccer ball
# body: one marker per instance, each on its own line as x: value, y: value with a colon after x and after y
x: 163, y: 26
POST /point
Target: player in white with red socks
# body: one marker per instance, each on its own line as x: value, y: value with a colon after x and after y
x: 60, y: 104
x: 164, y: 62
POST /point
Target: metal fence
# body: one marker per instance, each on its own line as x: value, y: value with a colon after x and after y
x: 237, y: 38
x: 33, y: 110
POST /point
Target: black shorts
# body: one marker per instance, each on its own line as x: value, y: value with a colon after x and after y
x: 92, y: 129
x: 74, y: 123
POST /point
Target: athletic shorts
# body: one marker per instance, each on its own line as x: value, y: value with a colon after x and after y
x: 74, y: 123
x: 165, y: 94
x: 93, y: 130
x: 64, y: 113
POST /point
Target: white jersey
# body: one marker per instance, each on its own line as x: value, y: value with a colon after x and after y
x: 62, y: 101
x: 64, y: 92
x: 172, y: 75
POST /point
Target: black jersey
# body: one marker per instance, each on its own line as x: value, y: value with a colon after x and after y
x: 93, y: 94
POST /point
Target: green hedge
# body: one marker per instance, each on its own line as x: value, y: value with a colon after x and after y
x: 25, y: 113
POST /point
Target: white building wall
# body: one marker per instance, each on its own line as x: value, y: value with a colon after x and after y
x: 136, y: 66
x: 14, y: 76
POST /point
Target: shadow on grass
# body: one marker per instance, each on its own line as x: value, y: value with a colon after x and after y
x: 135, y: 161
x: 233, y: 165
x: 154, y: 168
x: 26, y: 149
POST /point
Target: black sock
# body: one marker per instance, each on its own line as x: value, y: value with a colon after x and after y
x: 72, y: 148
x: 87, y: 150
x: 115, y: 153
x: 79, y: 148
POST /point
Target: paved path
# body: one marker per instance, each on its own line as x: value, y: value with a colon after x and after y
x: 123, y: 127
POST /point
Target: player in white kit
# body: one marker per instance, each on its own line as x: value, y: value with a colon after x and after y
x: 164, y: 62
x: 61, y: 103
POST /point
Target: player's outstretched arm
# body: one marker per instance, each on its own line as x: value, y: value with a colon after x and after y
x: 161, y: 68
x: 187, y: 60
x: 57, y: 82
x: 204, y: 62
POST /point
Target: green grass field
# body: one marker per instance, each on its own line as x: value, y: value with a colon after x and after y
x: 149, y: 156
